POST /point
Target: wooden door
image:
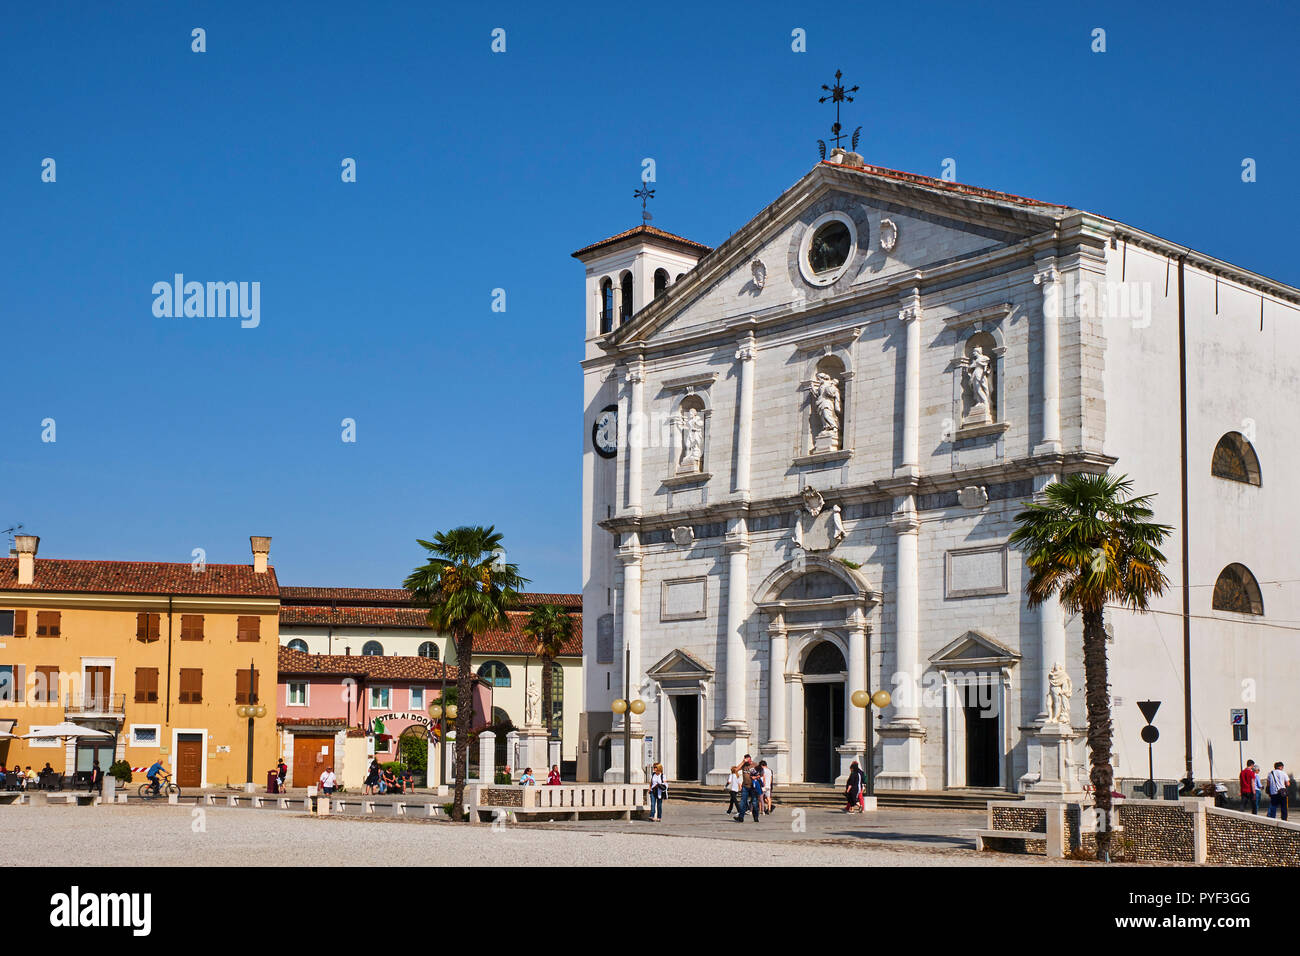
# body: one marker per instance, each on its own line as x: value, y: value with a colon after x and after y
x: 311, y: 755
x: 98, y: 681
x: 189, y: 760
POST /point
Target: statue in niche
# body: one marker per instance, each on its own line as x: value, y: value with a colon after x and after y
x: 837, y: 524
x: 1059, y: 691
x: 827, y: 405
x: 692, y: 431
x: 979, y: 382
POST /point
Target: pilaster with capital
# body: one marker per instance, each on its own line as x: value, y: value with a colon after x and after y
x: 630, y: 555
x: 731, y: 738
x: 1049, y: 278
x: 745, y: 412
x: 909, y: 314
x: 778, y: 695
x: 901, y: 737
x: 635, y: 431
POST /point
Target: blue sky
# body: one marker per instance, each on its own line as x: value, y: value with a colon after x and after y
x: 478, y: 171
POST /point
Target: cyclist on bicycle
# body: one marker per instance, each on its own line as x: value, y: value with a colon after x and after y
x: 154, y: 772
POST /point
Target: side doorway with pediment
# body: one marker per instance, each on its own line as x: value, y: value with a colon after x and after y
x: 682, y: 683
x: 976, y: 671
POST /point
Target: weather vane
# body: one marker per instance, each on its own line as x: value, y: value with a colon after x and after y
x: 644, y: 193
x: 838, y: 95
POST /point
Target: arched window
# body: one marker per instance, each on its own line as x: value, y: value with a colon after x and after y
x: 825, y: 658
x: 495, y: 673
x: 557, y: 699
x: 428, y: 649
x: 372, y: 649
x: 297, y: 644
x: 606, y: 305
x: 625, y: 310
x: 661, y: 281
x: 1237, y: 590
x: 1235, y: 459
x: 500, y: 717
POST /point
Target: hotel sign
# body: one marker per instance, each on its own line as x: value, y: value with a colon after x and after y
x: 411, y: 718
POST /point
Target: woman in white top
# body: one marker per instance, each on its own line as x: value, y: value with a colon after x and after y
x: 733, y: 791
x: 767, y: 786
x: 658, y: 790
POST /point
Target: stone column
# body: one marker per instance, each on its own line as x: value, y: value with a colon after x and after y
x: 901, y: 738
x: 732, y: 737
x: 858, y: 680
x: 630, y: 554
x: 487, y: 755
x: 1050, y: 280
x: 745, y: 413
x: 910, y: 316
x: 777, y: 748
x: 636, y: 433
x: 1050, y: 748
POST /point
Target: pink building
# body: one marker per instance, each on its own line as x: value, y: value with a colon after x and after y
x: 327, y: 705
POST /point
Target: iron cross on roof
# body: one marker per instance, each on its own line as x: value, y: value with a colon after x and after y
x: 644, y: 193
x: 838, y: 95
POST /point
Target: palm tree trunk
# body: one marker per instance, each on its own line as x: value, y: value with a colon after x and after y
x: 1097, y: 695
x: 546, y: 696
x: 464, y: 718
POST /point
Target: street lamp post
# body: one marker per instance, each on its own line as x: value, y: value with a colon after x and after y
x: 622, y: 706
x: 251, y: 710
x: 880, y: 700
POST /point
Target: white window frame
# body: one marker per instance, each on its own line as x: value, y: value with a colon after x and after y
x: 132, y: 741
x: 417, y: 690
x: 306, y: 693
x: 385, y: 704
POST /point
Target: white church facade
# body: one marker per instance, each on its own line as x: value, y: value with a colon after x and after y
x: 805, y: 450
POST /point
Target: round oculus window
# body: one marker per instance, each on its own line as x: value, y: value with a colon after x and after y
x: 830, y: 247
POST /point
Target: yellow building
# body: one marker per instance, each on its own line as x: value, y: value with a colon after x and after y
x: 157, y: 655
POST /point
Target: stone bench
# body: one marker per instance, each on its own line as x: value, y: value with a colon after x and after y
x: 521, y: 814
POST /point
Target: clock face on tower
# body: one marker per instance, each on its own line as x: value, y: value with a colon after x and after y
x: 604, y: 432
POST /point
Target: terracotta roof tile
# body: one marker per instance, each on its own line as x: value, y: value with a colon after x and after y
x: 326, y: 616
x: 387, y: 667
x: 933, y: 183
x: 358, y: 597
x: 644, y: 230
x: 140, y: 577
x: 514, y: 641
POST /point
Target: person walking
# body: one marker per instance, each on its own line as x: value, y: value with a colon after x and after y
x: 746, y: 787
x: 733, y: 790
x: 1278, y: 783
x: 853, y: 789
x: 1250, y: 788
x: 658, y: 791
x: 328, y: 782
x: 281, y: 774
x: 757, y: 774
x: 767, y: 786
x: 372, y: 777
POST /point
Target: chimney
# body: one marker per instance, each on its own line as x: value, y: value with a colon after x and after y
x: 261, y: 548
x: 25, y: 545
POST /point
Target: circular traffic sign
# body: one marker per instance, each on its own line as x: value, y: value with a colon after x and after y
x: 1149, y: 734
x: 1149, y: 788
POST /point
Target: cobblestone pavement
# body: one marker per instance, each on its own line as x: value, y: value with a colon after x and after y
x: 218, y: 836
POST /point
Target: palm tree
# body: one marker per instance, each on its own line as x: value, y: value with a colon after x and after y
x: 550, y: 627
x: 1092, y: 544
x: 467, y: 587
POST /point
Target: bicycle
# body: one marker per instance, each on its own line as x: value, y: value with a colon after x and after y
x: 164, y: 788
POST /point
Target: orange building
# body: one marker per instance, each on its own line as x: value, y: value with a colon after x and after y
x: 156, y: 655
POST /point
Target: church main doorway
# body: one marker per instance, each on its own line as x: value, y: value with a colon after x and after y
x: 686, y: 713
x: 982, y: 751
x: 823, y: 707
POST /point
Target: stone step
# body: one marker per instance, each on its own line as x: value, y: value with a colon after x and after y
x: 811, y: 795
